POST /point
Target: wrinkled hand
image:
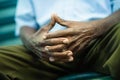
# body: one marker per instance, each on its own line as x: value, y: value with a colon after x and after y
x: 35, y: 40
x: 36, y: 45
x: 79, y: 34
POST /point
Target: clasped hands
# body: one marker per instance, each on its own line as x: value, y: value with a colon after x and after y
x: 62, y: 45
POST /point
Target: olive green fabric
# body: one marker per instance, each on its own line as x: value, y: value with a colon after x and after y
x: 104, y: 56
x: 17, y: 63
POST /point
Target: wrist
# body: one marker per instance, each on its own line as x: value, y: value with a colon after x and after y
x: 101, y: 27
x: 107, y: 23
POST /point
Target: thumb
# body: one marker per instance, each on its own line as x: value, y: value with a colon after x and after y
x: 60, y: 21
x: 51, y: 24
x: 46, y: 29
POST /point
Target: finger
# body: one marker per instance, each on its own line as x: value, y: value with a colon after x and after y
x: 76, y: 41
x: 54, y: 41
x: 51, y: 24
x: 42, y: 50
x: 61, y: 54
x: 48, y: 27
x: 67, y: 59
x: 83, y: 46
x: 41, y: 54
x: 61, y: 33
x: 79, y: 44
x: 73, y: 39
x: 61, y: 21
x: 55, y: 48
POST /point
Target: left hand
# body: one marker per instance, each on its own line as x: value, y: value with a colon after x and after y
x: 79, y: 34
x: 36, y: 45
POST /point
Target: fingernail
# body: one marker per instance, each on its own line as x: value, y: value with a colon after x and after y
x: 44, y: 37
x: 70, y: 59
x: 51, y: 59
x: 46, y: 48
x: 69, y: 53
x: 65, y: 41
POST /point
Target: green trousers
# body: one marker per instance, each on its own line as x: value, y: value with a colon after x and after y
x: 103, y: 55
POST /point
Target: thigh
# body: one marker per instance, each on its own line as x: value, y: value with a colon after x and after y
x: 104, y: 56
x: 16, y: 62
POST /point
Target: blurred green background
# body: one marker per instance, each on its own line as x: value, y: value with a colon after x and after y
x: 7, y: 37
x: 7, y: 23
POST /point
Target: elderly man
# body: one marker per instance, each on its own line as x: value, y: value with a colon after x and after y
x: 90, y: 40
